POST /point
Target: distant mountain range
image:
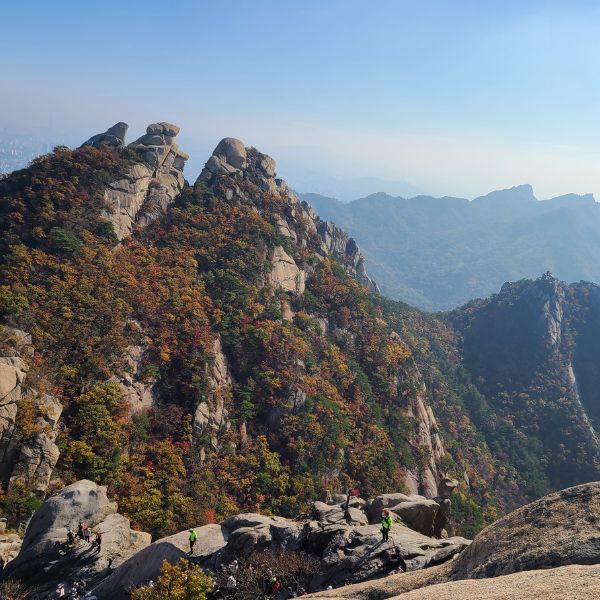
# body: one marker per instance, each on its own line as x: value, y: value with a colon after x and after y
x: 438, y: 253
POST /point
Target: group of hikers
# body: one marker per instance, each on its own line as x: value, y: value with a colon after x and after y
x: 84, y: 533
x: 272, y: 586
x: 75, y: 591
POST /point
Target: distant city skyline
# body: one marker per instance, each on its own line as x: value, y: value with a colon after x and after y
x: 453, y: 98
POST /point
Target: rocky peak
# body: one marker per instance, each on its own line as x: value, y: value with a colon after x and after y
x: 159, y: 151
x: 114, y: 136
x: 298, y: 221
x: 151, y: 183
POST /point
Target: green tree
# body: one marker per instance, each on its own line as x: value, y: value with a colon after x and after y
x: 182, y: 581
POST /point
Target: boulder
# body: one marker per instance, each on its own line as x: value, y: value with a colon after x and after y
x: 327, y: 513
x: 232, y: 151
x: 10, y: 544
x: 146, y: 564
x: 357, y: 553
x: 374, y: 507
x: 418, y: 513
x: 559, y: 529
x: 285, y: 274
x: 228, y: 158
x: 250, y: 531
x: 114, y: 136
x: 446, y: 486
x: 45, y: 558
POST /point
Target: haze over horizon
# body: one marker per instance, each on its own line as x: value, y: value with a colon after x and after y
x: 450, y: 98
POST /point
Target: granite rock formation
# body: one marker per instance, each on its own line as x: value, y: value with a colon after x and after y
x: 45, y: 558
x: 152, y: 182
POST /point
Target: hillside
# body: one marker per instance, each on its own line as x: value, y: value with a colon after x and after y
x: 438, y: 253
x: 217, y: 348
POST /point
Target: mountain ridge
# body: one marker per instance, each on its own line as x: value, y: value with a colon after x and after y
x: 438, y: 253
x: 221, y: 349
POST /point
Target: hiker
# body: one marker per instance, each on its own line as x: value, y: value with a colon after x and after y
x: 98, y: 534
x: 70, y: 537
x: 233, y: 567
x: 275, y: 585
x: 80, y: 529
x: 386, y: 525
x: 86, y: 533
x: 193, y: 537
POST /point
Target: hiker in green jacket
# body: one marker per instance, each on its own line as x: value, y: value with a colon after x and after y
x: 386, y: 525
x: 193, y: 537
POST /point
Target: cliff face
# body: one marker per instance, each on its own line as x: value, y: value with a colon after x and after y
x: 528, y: 350
x: 28, y: 420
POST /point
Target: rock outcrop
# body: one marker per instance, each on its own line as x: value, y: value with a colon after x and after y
x: 211, y: 416
x: 573, y: 582
x: 114, y: 137
x: 231, y: 163
x: 28, y: 451
x: 152, y: 182
x: 349, y: 550
x: 285, y: 274
x: 45, y: 558
x: 145, y: 564
x: 339, y: 244
x: 417, y: 512
x: 559, y: 529
x: 424, y: 478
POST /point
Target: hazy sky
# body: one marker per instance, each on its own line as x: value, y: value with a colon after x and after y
x: 455, y: 97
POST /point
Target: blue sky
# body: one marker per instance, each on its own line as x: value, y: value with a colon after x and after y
x: 454, y: 97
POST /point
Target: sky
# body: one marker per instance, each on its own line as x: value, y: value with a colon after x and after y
x: 453, y: 97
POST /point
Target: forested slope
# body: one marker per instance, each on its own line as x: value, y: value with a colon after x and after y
x: 217, y: 348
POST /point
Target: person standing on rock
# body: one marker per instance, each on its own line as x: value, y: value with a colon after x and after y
x: 80, y: 529
x: 86, y: 533
x: 386, y: 525
x: 193, y: 537
x: 70, y: 537
x: 98, y: 539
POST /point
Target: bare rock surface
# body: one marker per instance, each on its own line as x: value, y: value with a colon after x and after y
x: 27, y: 459
x: 392, y: 585
x: 348, y: 552
x: 146, y: 564
x: 145, y: 191
x: 45, y: 557
x: 10, y: 544
x: 575, y: 582
x: 211, y: 417
x: 114, y: 136
x: 285, y: 274
x: 559, y: 529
